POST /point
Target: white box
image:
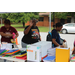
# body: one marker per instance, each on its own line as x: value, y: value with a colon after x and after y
x: 33, y: 53
x: 45, y: 46
x: 38, y: 49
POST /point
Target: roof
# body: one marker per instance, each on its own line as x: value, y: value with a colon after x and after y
x: 44, y: 14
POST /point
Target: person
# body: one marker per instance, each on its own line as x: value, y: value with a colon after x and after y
x: 7, y: 31
x: 73, y: 51
x: 31, y: 34
x: 55, y: 35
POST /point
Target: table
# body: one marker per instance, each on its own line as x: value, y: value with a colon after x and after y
x: 13, y: 59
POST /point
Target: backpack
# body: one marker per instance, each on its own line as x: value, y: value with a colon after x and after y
x: 49, y: 37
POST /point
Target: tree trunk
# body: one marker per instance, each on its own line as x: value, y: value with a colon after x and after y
x: 24, y: 24
x: 72, y: 19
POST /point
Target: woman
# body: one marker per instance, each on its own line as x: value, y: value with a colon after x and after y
x: 7, y: 31
x: 31, y: 34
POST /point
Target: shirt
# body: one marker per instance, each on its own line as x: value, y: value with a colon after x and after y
x: 33, y: 35
x: 55, y: 35
x: 10, y: 31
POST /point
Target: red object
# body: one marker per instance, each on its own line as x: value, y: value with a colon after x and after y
x: 10, y: 31
x: 44, y: 57
x: 23, y: 58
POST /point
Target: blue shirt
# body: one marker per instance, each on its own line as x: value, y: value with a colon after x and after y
x: 55, y: 35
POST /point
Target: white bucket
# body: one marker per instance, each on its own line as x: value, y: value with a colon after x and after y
x: 7, y: 46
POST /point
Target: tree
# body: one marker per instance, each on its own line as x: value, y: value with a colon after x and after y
x: 22, y: 17
x: 64, y: 15
x: 60, y: 15
x: 72, y: 14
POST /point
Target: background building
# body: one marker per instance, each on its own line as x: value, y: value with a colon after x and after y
x: 44, y: 20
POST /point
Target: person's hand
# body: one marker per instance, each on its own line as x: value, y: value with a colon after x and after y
x: 10, y: 35
x: 64, y: 40
x: 61, y: 46
x: 31, y: 24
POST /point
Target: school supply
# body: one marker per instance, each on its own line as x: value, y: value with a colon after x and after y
x: 72, y: 58
x: 13, y: 35
x: 12, y: 41
x: 23, y: 58
x: 9, y: 53
x: 62, y: 54
x: 21, y: 54
x: 49, y: 59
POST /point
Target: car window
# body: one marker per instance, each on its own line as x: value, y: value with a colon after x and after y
x: 66, y: 24
x: 71, y: 25
x: 74, y: 25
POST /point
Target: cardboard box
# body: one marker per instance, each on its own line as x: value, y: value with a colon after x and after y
x: 38, y: 50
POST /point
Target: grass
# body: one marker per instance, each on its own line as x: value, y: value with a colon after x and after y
x: 19, y: 27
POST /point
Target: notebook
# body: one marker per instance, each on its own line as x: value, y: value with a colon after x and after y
x: 49, y: 59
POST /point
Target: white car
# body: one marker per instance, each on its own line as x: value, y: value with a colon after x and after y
x: 68, y: 28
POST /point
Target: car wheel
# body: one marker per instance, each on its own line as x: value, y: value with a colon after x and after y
x: 64, y: 31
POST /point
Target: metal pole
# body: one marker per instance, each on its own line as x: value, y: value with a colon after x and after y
x: 1, y: 19
x: 50, y: 22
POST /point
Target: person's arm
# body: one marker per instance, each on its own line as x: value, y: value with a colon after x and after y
x: 54, y: 42
x: 4, y: 34
x: 28, y: 29
x: 16, y: 35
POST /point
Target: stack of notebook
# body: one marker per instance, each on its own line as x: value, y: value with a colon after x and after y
x: 49, y: 59
x: 22, y: 55
x: 11, y: 53
x: 2, y: 51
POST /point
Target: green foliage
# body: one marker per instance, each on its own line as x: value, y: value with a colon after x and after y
x: 63, y: 15
x: 60, y: 15
x: 71, y: 13
x: 20, y: 17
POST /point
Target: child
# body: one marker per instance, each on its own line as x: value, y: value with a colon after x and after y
x: 56, y: 36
